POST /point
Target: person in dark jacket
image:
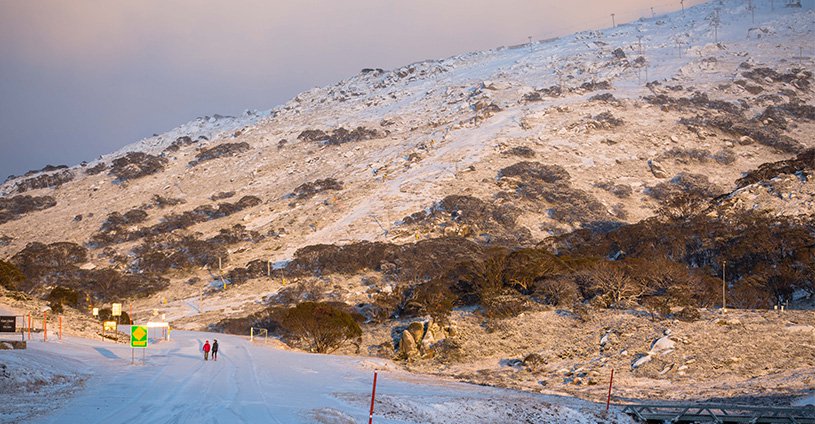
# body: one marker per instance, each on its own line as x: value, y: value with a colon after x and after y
x: 215, y: 350
x: 206, y: 350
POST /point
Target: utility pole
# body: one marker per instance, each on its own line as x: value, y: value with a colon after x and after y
x: 752, y: 10
x: 639, y: 41
x: 715, y: 23
x: 724, y: 287
x: 613, y: 24
x: 653, y: 15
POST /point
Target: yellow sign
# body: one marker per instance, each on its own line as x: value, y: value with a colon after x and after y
x: 109, y: 325
x: 138, y: 336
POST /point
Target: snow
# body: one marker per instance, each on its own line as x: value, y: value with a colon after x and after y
x: 81, y: 380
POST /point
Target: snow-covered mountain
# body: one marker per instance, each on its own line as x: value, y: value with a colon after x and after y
x: 607, y: 122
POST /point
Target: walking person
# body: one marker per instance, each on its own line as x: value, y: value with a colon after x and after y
x: 215, y: 350
x: 206, y: 350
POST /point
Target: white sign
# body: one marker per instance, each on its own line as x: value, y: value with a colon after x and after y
x: 96, y: 312
x: 117, y: 310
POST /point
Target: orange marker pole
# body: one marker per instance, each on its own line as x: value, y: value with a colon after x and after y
x: 610, y: 382
x: 373, y: 396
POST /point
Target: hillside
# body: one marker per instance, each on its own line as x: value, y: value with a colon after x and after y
x: 575, y: 149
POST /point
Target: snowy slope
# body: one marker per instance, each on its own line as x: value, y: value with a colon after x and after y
x: 250, y: 383
x: 436, y: 140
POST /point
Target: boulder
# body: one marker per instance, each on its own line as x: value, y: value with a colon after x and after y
x: 416, y: 329
x: 407, y: 345
x: 657, y: 169
x: 662, y: 346
x: 641, y: 361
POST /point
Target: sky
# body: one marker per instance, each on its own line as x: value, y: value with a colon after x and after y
x: 82, y: 78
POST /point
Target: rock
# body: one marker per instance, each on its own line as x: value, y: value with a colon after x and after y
x: 407, y: 345
x: 674, y: 139
x: 657, y: 169
x: 495, y: 85
x: 746, y: 140
x: 641, y: 361
x: 416, y: 330
x: 662, y: 346
x: 618, y: 53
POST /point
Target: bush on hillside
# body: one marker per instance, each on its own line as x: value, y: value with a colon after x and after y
x: 322, y: 327
x: 10, y: 275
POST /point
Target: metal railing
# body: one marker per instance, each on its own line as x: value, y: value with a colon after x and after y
x: 719, y: 413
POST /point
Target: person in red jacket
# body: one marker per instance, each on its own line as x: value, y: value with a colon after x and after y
x: 206, y: 350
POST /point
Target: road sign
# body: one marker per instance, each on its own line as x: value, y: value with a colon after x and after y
x: 116, y: 310
x: 96, y: 312
x: 109, y: 326
x: 8, y: 324
x: 138, y: 336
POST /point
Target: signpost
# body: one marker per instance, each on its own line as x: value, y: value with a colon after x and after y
x: 138, y: 340
x: 108, y: 326
x: 8, y: 324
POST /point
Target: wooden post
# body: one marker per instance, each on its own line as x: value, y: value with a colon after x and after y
x: 269, y: 268
x: 60, y: 328
x: 29, y: 326
x: 44, y: 326
x: 373, y: 396
x: 610, y: 382
x: 724, y: 287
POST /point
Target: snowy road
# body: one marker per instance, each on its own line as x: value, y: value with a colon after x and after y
x: 255, y: 383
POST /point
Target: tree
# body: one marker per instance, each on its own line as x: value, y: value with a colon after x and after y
x: 61, y: 296
x: 613, y: 285
x: 10, y: 275
x: 323, y: 326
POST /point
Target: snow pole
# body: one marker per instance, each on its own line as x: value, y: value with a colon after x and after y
x: 29, y: 326
x: 44, y: 326
x: 60, y: 328
x: 610, y: 382
x: 373, y: 396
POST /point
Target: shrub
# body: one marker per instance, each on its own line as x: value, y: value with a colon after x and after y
x: 433, y: 298
x: 17, y: 206
x: 136, y: 165
x: 562, y: 292
x: 54, y: 180
x: 521, y: 151
x: 612, y: 286
x: 323, y: 326
x: 310, y: 189
x: 10, y: 275
x: 61, y: 296
x: 535, y: 171
x: 221, y: 150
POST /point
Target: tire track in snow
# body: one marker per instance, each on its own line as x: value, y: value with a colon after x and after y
x: 257, y: 383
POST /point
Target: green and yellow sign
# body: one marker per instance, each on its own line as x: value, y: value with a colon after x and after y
x: 138, y: 336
